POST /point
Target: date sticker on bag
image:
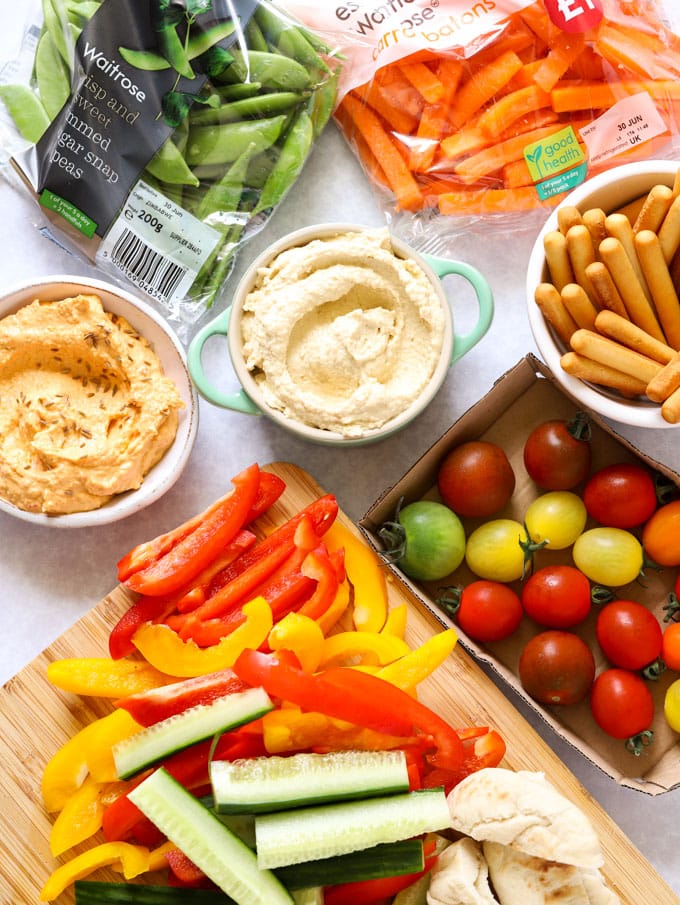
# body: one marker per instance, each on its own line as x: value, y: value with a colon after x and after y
x: 628, y: 124
x: 574, y: 15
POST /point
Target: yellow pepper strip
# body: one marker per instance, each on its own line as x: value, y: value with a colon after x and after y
x: 79, y: 819
x: 165, y: 650
x: 357, y: 648
x: 105, y: 677
x: 66, y: 770
x: 337, y: 609
x: 302, y: 636
x: 289, y: 729
x: 395, y: 624
x: 417, y: 665
x: 367, y: 575
x: 157, y: 859
x: 132, y: 859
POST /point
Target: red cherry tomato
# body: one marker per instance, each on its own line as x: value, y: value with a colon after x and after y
x: 556, y: 667
x: 661, y: 535
x: 629, y: 635
x: 488, y: 610
x: 557, y: 596
x: 621, y: 495
x: 670, y: 646
x: 476, y: 479
x: 555, y: 455
x: 621, y: 704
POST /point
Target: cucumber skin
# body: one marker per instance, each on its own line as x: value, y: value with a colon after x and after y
x: 90, y: 892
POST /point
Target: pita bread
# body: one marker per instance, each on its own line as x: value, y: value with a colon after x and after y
x: 521, y: 879
x: 598, y: 891
x: 460, y: 876
x: 523, y: 810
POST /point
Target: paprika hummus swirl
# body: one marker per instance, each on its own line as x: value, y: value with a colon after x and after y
x: 85, y: 409
x: 341, y: 333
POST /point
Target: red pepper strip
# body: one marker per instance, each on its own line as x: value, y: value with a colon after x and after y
x: 270, y: 488
x: 147, y: 708
x: 482, y: 747
x: 156, y: 609
x: 196, y: 550
x: 370, y: 892
x: 449, y: 748
x: 324, y: 570
x: 183, y: 868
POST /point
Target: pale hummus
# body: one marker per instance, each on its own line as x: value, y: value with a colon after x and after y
x: 341, y: 333
x: 85, y: 409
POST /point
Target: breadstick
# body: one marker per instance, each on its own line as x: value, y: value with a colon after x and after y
x: 670, y: 408
x: 619, y: 227
x: 594, y: 372
x: 552, y: 307
x: 595, y: 219
x: 581, y: 254
x: 669, y: 231
x: 567, y: 217
x: 654, y: 209
x: 623, y: 331
x: 608, y: 352
x: 660, y: 284
x: 557, y: 258
x: 667, y: 381
x: 637, y: 305
x: 579, y: 305
x: 606, y: 295
x: 631, y: 210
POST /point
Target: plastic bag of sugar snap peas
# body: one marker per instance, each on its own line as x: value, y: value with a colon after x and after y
x: 157, y: 136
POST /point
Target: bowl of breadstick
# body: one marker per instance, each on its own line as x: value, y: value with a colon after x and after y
x: 603, y: 289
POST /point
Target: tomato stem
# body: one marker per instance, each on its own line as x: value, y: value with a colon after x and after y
x: 449, y: 600
x: 393, y: 536
x: 599, y: 594
x: 665, y: 489
x: 654, y: 669
x: 672, y: 608
x: 580, y: 427
x: 529, y: 547
x: 637, y: 743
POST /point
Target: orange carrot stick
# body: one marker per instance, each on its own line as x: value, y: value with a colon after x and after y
x: 564, y: 51
x: 499, y: 116
x: 483, y: 85
x: 424, y: 81
x: 492, y: 201
x: 493, y: 158
x: 396, y: 116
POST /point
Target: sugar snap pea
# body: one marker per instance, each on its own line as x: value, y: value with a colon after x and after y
x: 238, y: 90
x: 285, y: 171
x: 227, y: 141
x: 260, y: 105
x: 26, y: 109
x: 288, y: 38
x: 52, y: 77
x: 254, y: 37
x: 168, y: 165
x: 199, y: 43
x: 55, y: 19
x: 322, y: 102
x: 271, y: 70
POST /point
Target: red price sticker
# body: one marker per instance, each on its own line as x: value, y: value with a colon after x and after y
x: 574, y: 15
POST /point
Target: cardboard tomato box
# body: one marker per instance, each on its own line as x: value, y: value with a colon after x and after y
x: 525, y: 396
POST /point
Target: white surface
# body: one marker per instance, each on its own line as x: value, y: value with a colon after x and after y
x: 51, y: 578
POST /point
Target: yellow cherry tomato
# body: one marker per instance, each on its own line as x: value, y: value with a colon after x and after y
x: 671, y: 705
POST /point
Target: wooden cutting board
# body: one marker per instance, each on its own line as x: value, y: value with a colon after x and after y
x: 36, y: 719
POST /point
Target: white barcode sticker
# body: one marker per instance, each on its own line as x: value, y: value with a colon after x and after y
x: 157, y: 245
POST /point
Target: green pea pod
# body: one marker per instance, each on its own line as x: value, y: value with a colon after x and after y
x: 254, y: 37
x: 294, y: 152
x: 288, y: 38
x: 80, y: 13
x: 199, y: 43
x: 27, y: 111
x: 55, y: 20
x: 261, y: 166
x: 224, y: 143
x: 52, y: 76
x: 261, y: 105
x: 238, y: 91
x: 272, y: 70
x: 322, y: 103
x: 168, y: 165
x: 224, y: 196
x: 164, y: 20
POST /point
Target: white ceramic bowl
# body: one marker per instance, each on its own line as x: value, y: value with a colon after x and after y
x: 250, y: 399
x: 609, y: 190
x: 167, y: 346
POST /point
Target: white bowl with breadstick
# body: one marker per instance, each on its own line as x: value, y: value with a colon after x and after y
x: 603, y: 288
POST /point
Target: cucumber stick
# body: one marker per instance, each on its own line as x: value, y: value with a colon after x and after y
x: 150, y: 745
x: 322, y: 831
x: 390, y: 859
x: 89, y: 892
x: 266, y: 784
x: 221, y: 855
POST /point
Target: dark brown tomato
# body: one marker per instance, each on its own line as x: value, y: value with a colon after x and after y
x: 555, y: 455
x: 476, y: 479
x: 556, y: 667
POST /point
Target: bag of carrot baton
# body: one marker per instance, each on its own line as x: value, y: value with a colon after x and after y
x: 489, y: 110
x: 159, y: 135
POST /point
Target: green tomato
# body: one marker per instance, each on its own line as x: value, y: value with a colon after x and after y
x: 494, y: 550
x: 671, y: 705
x: 556, y: 519
x: 427, y: 540
x: 609, y: 556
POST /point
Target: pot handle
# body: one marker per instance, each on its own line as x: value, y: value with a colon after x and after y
x: 444, y: 266
x: 238, y: 402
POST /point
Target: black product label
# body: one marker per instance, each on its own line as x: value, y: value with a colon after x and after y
x: 137, y: 72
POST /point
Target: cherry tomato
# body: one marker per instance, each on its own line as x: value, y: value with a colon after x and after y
x: 629, y: 635
x: 556, y: 455
x: 488, y: 610
x: 476, y: 479
x: 671, y: 705
x: 494, y: 550
x: 621, y: 495
x: 621, y: 704
x: 608, y: 556
x: 555, y: 519
x: 556, y: 667
x: 426, y: 540
x: 557, y: 596
x: 661, y: 535
x: 670, y: 646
